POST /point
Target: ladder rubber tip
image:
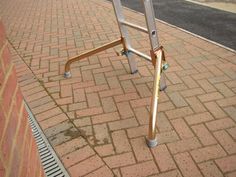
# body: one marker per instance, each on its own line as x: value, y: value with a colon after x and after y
x: 134, y: 72
x: 163, y: 88
x: 151, y: 143
x: 67, y: 74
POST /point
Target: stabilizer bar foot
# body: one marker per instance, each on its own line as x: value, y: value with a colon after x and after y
x: 67, y: 74
x: 134, y: 72
x: 151, y: 143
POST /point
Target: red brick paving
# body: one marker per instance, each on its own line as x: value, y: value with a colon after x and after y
x: 97, y: 120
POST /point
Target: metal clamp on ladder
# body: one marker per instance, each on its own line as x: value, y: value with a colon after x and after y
x: 157, y: 57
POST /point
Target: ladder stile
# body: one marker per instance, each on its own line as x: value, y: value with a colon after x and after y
x: 157, y: 57
x: 124, y: 33
x: 151, y: 24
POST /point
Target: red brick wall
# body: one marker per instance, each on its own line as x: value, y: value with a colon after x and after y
x: 18, y: 152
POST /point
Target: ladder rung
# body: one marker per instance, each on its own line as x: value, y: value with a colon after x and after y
x: 140, y: 28
x: 146, y: 57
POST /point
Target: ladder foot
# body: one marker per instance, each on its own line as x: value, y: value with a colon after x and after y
x: 134, y: 72
x: 67, y: 74
x: 163, y: 88
x: 151, y: 143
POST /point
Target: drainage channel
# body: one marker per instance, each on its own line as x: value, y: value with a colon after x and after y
x: 51, y: 163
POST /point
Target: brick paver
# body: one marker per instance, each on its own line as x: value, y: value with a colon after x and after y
x: 97, y: 120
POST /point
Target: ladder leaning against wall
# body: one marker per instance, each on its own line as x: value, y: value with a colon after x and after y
x: 157, y: 58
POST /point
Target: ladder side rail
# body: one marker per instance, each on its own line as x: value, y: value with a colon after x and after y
x: 151, y: 25
x: 124, y: 33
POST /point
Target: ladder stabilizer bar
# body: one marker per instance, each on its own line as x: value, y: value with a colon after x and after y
x: 91, y: 52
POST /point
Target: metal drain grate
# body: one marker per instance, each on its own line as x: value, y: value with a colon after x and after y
x: 51, y: 164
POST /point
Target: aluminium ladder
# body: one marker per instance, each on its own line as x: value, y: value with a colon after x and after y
x: 157, y: 57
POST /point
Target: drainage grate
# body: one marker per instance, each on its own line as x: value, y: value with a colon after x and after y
x: 51, y: 164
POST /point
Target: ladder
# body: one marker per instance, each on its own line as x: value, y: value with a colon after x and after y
x: 157, y: 57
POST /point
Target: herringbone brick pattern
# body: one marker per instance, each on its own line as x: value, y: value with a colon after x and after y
x: 98, y: 119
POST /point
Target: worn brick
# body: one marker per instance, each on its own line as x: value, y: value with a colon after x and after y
x: 227, y: 164
x: 142, y: 115
x: 163, y: 123
x: 105, y: 150
x: 120, y: 160
x: 141, y: 169
x: 215, y: 110
x: 210, y: 97
x: 180, y: 112
x: 86, y: 166
x: 209, y: 169
x: 224, y: 90
x: 182, y: 128
x: 99, y: 79
x: 96, y: 88
x: 48, y: 114
x: 184, y: 145
x: 208, y: 87
x: 111, y: 92
x: 192, y: 92
x: 108, y: 117
x: 126, y: 97
x: 64, y: 101
x: 232, y: 132
x: 113, y: 82
x: 141, y: 151
x: 171, y: 173
x: 53, y: 121
x: 204, y: 75
x: 227, y: 102
x: 140, y: 102
x: 125, y: 110
x: 195, y: 104
x: 123, y: 124
x: 77, y: 106
x: 70, y: 146
x: 137, y: 131
x: 199, y: 118
x: 231, y: 174
x: 143, y: 90
x: 177, y: 99
x: 163, y: 158
x: 121, y: 141
x: 93, y: 100
x: 101, y: 134
x: 189, y: 82
x: 79, y: 95
x: 165, y: 106
x: 220, y: 124
x: 174, y: 79
x: 204, y: 135
x: 128, y: 86
x: 77, y: 156
x: 81, y: 122
x: 219, y: 79
x: 186, y: 165
x: 103, y: 171
x: 231, y: 111
x: 66, y: 91
x: 89, y: 111
x: 208, y: 153
x: 226, y: 141
x: 108, y: 104
x: 167, y: 137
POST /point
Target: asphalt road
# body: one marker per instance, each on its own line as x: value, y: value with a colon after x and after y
x: 213, y: 24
